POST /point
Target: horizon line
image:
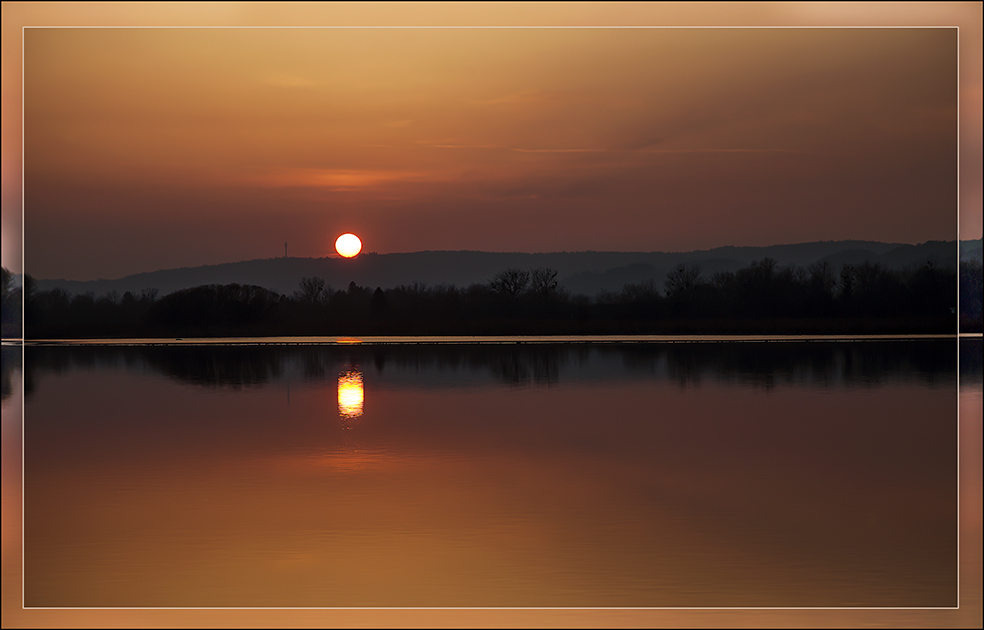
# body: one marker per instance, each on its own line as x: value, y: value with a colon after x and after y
x: 475, y: 251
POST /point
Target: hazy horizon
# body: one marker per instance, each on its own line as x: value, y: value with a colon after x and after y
x: 790, y: 251
x: 335, y: 256
x: 374, y: 253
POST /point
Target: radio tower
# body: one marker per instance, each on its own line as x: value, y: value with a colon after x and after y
x: 285, y: 249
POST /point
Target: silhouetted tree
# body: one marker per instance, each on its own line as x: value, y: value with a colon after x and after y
x: 7, y: 284
x: 682, y: 279
x: 543, y: 282
x: 644, y: 291
x: 379, y: 306
x: 971, y: 296
x: 762, y: 297
x: 846, y: 283
x: 510, y: 283
x: 313, y: 291
x: 933, y: 290
x: 723, y: 280
x: 10, y: 312
x: 216, y: 309
x: 822, y: 277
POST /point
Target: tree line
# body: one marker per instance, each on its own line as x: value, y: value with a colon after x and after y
x: 761, y: 298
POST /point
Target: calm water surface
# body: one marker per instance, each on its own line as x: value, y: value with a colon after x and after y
x: 716, y: 474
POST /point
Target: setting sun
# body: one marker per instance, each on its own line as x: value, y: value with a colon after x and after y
x: 348, y: 245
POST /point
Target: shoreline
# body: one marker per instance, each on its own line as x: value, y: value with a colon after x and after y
x: 370, y: 340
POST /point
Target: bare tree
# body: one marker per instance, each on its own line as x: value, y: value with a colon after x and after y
x: 313, y: 291
x: 510, y: 282
x: 846, y: 282
x: 682, y: 279
x: 723, y: 280
x: 543, y: 281
x: 822, y: 275
x: 644, y: 291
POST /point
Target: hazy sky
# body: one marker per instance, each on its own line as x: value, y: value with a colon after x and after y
x: 155, y: 148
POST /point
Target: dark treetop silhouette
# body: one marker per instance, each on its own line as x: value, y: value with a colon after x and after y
x: 762, y: 298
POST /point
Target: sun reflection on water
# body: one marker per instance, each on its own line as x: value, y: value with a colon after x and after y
x: 351, y: 396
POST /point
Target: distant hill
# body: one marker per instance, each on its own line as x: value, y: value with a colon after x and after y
x: 584, y: 273
x: 971, y: 250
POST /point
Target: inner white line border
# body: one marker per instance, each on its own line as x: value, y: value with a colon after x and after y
x: 958, y: 335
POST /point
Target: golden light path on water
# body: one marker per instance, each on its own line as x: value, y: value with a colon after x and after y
x: 351, y: 396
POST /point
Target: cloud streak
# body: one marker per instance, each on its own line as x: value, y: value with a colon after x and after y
x: 334, y: 179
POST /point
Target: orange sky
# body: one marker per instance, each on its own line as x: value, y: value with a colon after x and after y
x: 155, y: 148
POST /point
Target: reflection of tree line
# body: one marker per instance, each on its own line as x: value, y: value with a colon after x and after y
x: 229, y: 366
x: 757, y: 364
x: 761, y: 298
x: 513, y: 364
x: 822, y: 363
x: 219, y: 366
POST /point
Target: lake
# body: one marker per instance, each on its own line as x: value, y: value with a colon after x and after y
x: 754, y: 473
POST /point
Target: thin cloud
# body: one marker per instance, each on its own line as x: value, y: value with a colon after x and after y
x: 337, y: 179
x: 518, y: 149
x: 563, y: 150
x: 462, y: 146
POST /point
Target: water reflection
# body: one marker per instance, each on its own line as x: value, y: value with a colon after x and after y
x: 351, y: 396
x: 760, y: 365
x: 11, y: 362
x: 776, y: 475
x: 234, y: 367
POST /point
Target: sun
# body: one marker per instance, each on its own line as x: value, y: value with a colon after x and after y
x: 348, y: 245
